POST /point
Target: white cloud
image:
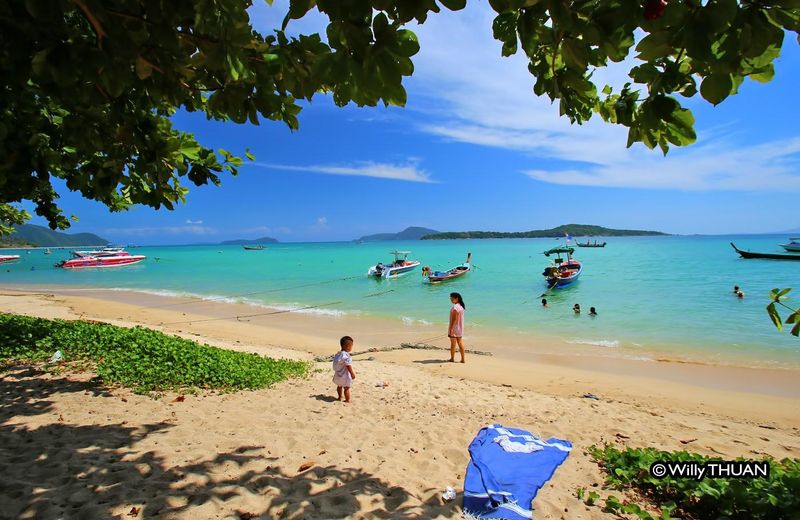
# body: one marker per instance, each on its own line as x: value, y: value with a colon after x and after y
x: 162, y: 230
x: 400, y: 172
x: 194, y: 222
x: 322, y: 221
x: 714, y: 166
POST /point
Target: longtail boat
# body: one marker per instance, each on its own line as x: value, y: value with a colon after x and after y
x: 770, y: 256
x: 450, y: 274
x: 588, y: 244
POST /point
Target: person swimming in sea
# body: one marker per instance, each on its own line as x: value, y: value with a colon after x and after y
x: 592, y: 312
x: 576, y: 308
x: 740, y: 295
x: 544, y: 303
x: 736, y: 290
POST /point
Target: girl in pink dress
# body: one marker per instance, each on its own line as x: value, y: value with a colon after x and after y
x: 455, y: 330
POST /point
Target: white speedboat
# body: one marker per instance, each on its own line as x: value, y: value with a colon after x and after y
x: 400, y: 266
x: 8, y: 258
x: 793, y: 245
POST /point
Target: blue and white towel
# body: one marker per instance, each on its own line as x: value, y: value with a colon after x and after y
x: 507, y: 468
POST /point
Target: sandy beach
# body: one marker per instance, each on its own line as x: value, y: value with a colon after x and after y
x: 73, y: 448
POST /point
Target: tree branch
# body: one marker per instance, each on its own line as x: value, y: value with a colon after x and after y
x: 96, y: 25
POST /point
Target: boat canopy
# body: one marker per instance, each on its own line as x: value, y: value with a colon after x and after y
x: 398, y: 254
x: 556, y: 250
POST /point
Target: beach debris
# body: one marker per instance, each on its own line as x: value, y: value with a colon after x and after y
x: 382, y: 384
x: 246, y: 516
x: 687, y: 441
x: 621, y: 436
x: 306, y: 465
x: 56, y: 357
x: 179, y: 399
x: 766, y: 426
x: 590, y: 396
x: 449, y: 494
x: 134, y: 511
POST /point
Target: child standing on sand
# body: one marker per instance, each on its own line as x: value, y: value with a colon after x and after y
x: 343, y: 373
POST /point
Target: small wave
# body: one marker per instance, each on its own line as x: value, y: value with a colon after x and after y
x: 412, y: 321
x: 608, y: 343
x: 298, y: 308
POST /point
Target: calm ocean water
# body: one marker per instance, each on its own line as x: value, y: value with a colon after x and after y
x: 665, y: 293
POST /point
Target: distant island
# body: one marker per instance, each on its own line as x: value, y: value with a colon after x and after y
x: 247, y: 242
x: 576, y: 230
x: 32, y: 235
x: 409, y: 233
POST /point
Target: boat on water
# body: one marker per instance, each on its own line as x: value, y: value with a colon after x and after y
x: 793, y: 245
x: 589, y: 244
x: 769, y: 256
x: 401, y: 265
x: 258, y: 247
x: 47, y: 251
x: 561, y: 272
x: 450, y: 274
x: 8, y: 258
x: 104, y: 251
x: 84, y: 260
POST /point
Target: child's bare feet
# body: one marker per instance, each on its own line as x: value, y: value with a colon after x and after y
x: 452, y: 360
x: 463, y: 361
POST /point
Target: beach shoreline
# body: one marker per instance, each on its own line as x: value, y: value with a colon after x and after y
x: 540, y: 363
x: 389, y: 454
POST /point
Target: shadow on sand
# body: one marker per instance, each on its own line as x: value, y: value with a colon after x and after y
x: 61, y: 470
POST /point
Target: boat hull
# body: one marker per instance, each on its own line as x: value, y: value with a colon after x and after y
x: 795, y: 248
x: 392, y: 271
x: 767, y: 256
x: 102, y: 262
x: 452, y: 274
x: 8, y: 258
x: 557, y: 281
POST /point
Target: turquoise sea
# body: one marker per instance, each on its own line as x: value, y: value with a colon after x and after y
x: 670, y: 294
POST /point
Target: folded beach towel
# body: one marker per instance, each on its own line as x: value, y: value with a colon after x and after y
x: 507, y: 468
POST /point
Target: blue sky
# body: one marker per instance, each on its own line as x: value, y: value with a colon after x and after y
x: 475, y: 149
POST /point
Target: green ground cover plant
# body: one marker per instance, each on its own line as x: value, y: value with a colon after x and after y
x: 776, y: 497
x: 143, y: 359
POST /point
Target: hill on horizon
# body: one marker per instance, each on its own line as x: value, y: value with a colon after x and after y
x: 248, y: 242
x: 46, y: 237
x: 575, y: 230
x: 409, y: 233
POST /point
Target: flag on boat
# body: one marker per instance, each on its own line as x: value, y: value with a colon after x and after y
x: 568, y: 237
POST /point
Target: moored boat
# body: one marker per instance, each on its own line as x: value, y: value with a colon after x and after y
x: 561, y: 272
x: 769, y: 256
x: 793, y: 245
x: 589, y: 244
x: 258, y: 247
x: 8, y: 258
x: 401, y: 265
x: 450, y: 274
x: 84, y: 261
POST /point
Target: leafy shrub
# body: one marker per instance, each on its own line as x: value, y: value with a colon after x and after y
x: 141, y: 358
x: 773, y: 498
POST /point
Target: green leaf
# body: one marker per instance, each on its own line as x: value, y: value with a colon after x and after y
x: 249, y: 155
x: 406, y: 43
x: 766, y: 75
x: 454, y: 5
x: 716, y: 87
x: 143, y: 68
x: 796, y: 330
x: 774, y: 316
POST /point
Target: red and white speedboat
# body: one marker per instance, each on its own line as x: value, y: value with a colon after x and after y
x: 83, y: 259
x: 8, y: 258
